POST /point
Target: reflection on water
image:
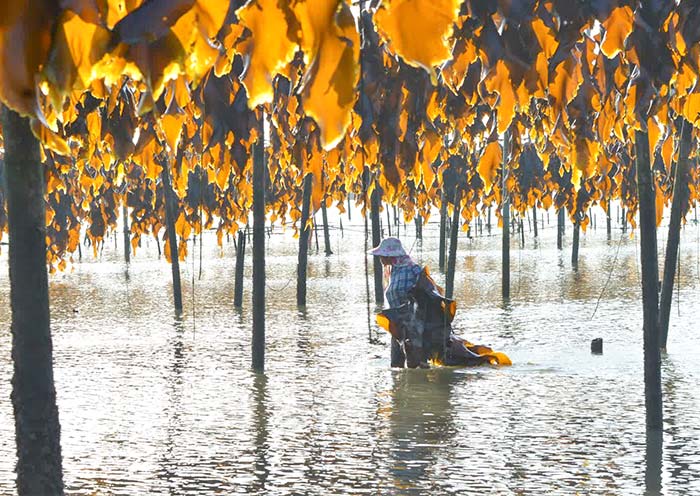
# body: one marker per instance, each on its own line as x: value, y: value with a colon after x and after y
x: 419, y: 415
x: 151, y: 403
x: 261, y: 437
x: 653, y: 459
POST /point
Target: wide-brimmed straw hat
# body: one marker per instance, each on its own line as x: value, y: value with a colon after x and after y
x: 389, y: 247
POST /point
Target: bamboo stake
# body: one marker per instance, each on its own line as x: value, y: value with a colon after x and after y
x: 505, y: 213
x: 304, y: 235
x: 454, y: 230
x: 259, y: 171
x: 240, y: 260
x: 680, y: 197
x: 170, y: 230
x: 650, y: 281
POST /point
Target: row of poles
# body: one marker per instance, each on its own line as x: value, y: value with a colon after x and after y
x: 33, y: 390
x: 39, y: 461
x: 655, y: 316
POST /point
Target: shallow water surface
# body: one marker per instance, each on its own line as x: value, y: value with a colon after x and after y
x: 156, y: 404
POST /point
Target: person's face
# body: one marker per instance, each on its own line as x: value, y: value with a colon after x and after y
x: 386, y: 260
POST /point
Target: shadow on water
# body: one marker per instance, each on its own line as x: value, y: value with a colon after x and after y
x: 653, y: 462
x: 681, y: 448
x: 260, y: 427
x: 420, y: 416
x: 169, y: 467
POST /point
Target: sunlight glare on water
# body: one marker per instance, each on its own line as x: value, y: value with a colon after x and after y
x: 154, y: 404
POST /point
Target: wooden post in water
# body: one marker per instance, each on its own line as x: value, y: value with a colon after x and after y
x: 575, y: 243
x: 608, y: 220
x: 37, y: 430
x: 680, y: 197
x: 454, y: 230
x: 529, y: 226
x: 326, y: 234
x: 304, y: 234
x: 168, y: 195
x: 315, y: 231
x: 560, y: 227
x: 259, y: 171
x: 505, y: 215
x: 388, y: 220
x: 534, y: 219
x: 349, y: 214
x: 443, y: 217
x: 650, y: 281
x: 419, y: 226
x: 240, y: 260
x: 127, y: 240
x: 376, y: 239
x: 522, y: 232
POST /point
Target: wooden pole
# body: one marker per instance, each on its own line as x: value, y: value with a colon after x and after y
x: 376, y: 239
x: 575, y: 243
x: 608, y: 220
x: 534, y: 219
x: 388, y: 220
x: 561, y: 219
x: 37, y: 430
x: 326, y: 234
x: 505, y: 213
x: 454, y: 230
x: 443, y: 216
x: 304, y: 234
x: 259, y: 171
x: 419, y: 226
x: 650, y: 281
x: 680, y: 198
x: 529, y: 225
x: 240, y: 260
x: 168, y: 195
x: 127, y: 240
x: 315, y: 231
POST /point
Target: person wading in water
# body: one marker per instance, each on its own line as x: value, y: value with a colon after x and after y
x: 420, y: 317
x: 403, y: 278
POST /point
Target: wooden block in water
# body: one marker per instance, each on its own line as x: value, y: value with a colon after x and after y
x: 597, y: 346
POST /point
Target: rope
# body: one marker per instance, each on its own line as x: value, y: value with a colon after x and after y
x: 605, y: 286
x: 277, y: 290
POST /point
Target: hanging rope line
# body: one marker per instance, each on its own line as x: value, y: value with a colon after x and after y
x: 277, y: 290
x: 612, y: 269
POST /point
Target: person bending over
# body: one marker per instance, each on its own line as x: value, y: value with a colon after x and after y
x: 403, y: 278
x: 404, y: 271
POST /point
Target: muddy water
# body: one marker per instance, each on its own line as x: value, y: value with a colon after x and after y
x: 155, y: 404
